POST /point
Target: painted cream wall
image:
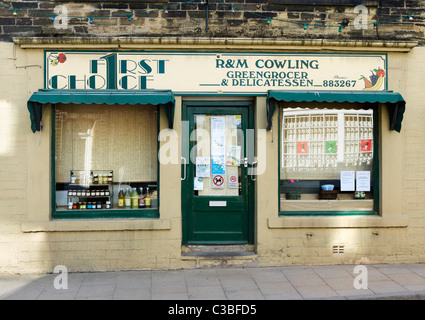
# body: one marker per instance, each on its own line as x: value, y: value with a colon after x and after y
x: 31, y: 242
x: 16, y: 68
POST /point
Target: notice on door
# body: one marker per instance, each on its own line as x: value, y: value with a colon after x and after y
x: 203, y: 167
x: 198, y: 183
x: 218, y: 181
x: 217, y: 165
x: 233, y: 155
x: 218, y: 136
x: 232, y: 181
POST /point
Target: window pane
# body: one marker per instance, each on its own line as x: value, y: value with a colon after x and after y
x: 93, y: 141
x: 318, y: 147
x: 218, y: 144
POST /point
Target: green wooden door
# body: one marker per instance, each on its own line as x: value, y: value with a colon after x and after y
x: 217, y: 188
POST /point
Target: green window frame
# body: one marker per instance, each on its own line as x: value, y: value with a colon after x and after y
x: 374, y: 178
x: 101, y: 213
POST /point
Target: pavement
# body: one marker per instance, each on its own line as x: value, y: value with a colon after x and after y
x: 330, y: 282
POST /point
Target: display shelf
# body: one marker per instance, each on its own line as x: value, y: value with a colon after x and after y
x: 90, y: 189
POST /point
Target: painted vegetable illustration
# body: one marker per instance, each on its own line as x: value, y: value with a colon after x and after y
x: 61, y: 57
x: 367, y: 83
x: 376, y: 80
x: 55, y: 59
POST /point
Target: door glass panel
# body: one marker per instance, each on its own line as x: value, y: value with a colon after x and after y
x: 217, y: 155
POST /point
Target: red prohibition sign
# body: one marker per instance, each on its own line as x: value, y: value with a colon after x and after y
x: 233, y: 179
x: 218, y: 180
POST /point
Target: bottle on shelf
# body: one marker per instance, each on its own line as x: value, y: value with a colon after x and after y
x: 134, y: 199
x: 121, y: 199
x: 127, y: 199
x: 141, y: 199
x: 147, y: 199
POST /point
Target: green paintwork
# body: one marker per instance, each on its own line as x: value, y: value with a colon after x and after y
x: 142, y: 97
x: 95, y: 213
x: 107, y: 213
x: 205, y: 224
x: 393, y: 100
x: 375, y: 178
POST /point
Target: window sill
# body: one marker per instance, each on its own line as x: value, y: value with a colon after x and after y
x: 67, y: 225
x: 291, y: 222
x: 106, y: 214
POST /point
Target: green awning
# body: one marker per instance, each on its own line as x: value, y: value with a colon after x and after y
x: 142, y: 97
x: 393, y: 100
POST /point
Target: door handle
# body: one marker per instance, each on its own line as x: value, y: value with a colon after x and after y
x: 184, y: 168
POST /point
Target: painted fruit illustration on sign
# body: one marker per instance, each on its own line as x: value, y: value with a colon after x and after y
x: 376, y: 80
x: 55, y: 59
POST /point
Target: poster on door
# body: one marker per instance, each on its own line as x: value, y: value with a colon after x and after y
x: 218, y: 126
x: 233, y: 155
x: 218, y: 165
x: 232, y: 182
x: 218, y: 181
x: 203, y: 167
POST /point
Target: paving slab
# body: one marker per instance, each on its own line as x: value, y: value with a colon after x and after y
x: 335, y: 282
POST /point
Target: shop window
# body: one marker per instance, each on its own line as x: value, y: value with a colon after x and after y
x: 105, y: 161
x: 328, y: 162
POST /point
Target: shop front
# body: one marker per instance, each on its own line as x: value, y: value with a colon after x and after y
x: 158, y: 153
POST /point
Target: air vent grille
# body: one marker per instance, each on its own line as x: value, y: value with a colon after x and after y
x: 338, y: 249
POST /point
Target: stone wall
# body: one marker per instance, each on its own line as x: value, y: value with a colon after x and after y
x: 220, y: 18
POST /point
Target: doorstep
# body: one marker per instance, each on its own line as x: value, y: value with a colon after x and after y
x: 214, y: 252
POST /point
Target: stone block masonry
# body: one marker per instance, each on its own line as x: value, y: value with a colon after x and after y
x: 243, y: 18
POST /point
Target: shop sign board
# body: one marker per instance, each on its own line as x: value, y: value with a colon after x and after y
x: 219, y: 72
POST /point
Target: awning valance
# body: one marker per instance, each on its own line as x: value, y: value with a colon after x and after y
x: 394, y: 101
x: 142, y: 97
